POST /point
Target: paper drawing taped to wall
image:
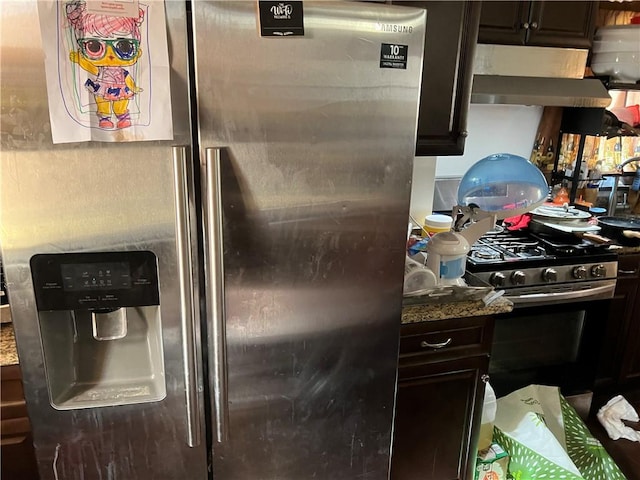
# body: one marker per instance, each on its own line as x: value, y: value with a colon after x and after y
x: 107, y: 73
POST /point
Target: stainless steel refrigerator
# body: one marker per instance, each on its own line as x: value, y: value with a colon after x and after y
x: 226, y: 304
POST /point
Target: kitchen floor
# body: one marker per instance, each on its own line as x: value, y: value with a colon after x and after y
x: 625, y: 453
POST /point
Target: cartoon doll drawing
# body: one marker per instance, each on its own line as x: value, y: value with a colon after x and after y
x: 108, y: 48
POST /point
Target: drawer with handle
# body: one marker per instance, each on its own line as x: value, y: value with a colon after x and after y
x: 447, y: 338
x: 629, y: 266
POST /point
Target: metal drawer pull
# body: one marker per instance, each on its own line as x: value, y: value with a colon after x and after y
x: 425, y: 344
x: 628, y: 272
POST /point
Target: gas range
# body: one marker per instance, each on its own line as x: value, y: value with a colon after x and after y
x: 534, y: 269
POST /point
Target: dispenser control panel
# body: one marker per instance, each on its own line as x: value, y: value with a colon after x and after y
x: 92, y: 281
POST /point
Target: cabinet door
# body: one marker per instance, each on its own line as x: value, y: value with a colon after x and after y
x: 504, y: 23
x: 438, y: 409
x: 613, y: 350
x: 452, y: 30
x: 620, y: 358
x: 545, y: 24
x: 562, y: 24
x: 629, y: 286
x: 17, y: 456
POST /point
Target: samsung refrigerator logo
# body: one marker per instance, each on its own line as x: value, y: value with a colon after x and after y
x: 394, y: 28
x: 282, y: 11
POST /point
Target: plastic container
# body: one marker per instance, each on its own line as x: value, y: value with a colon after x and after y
x: 417, y: 277
x: 447, y: 257
x: 437, y: 223
x: 489, y: 409
x: 504, y: 184
x: 561, y: 197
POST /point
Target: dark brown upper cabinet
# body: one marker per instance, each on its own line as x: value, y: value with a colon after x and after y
x: 538, y: 23
x: 447, y: 74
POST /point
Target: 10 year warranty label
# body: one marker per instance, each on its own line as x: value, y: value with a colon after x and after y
x: 393, y: 56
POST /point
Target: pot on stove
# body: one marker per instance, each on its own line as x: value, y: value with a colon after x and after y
x: 447, y: 257
x: 624, y: 230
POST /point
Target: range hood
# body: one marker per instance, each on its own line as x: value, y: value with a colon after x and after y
x: 520, y: 75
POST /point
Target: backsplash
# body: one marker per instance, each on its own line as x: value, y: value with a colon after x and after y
x: 492, y: 129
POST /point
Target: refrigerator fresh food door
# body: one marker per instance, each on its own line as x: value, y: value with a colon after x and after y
x: 110, y: 393
x: 307, y: 145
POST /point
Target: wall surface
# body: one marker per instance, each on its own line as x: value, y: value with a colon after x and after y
x: 424, y: 173
x: 492, y: 129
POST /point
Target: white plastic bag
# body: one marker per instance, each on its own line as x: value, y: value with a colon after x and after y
x: 546, y: 439
x: 489, y: 408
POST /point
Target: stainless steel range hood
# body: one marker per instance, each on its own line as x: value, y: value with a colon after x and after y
x: 519, y: 75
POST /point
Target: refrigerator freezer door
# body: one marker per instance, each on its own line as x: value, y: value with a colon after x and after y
x: 91, y: 197
x: 314, y: 140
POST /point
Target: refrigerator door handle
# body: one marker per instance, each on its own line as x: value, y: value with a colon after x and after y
x: 182, y: 180
x: 214, y: 274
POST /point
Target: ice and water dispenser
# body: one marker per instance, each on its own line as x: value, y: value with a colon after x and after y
x: 100, y: 325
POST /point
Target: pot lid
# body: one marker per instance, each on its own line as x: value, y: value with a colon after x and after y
x: 560, y: 213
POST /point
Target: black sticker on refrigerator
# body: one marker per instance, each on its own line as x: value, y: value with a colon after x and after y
x: 281, y: 19
x: 393, y: 55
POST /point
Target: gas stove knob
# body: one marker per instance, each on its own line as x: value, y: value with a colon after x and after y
x: 497, y: 279
x: 598, y: 270
x: 518, y: 278
x: 550, y: 275
x: 579, y: 272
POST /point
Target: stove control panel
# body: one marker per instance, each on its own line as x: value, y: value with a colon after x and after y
x: 558, y: 274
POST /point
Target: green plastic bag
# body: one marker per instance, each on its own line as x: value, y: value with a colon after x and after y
x: 546, y: 438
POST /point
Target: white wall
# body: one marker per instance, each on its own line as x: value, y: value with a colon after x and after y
x: 492, y: 129
x: 424, y: 173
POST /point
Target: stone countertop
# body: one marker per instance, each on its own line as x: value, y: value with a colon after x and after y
x: 410, y: 314
x: 424, y: 312
x: 8, y: 351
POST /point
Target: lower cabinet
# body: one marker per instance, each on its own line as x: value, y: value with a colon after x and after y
x: 18, y: 458
x: 439, y: 398
x: 628, y: 287
x: 620, y: 358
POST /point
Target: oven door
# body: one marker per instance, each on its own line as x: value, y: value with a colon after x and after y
x: 557, y: 344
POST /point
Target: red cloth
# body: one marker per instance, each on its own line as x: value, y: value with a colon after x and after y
x: 518, y: 222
